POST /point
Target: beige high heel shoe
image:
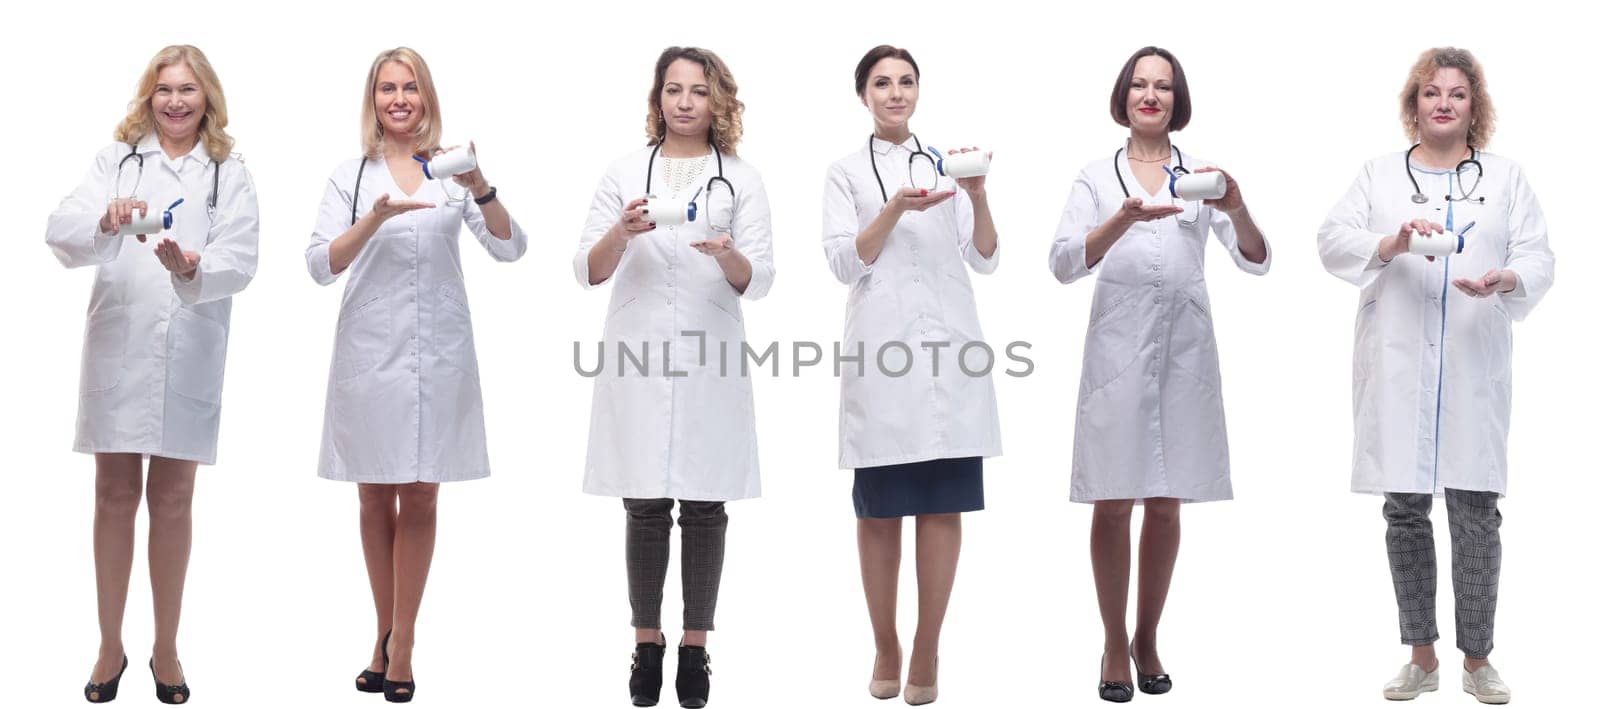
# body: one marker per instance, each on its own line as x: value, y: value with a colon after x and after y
x: 884, y: 688
x: 917, y: 695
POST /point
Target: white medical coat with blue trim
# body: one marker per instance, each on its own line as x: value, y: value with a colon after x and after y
x: 1432, y: 370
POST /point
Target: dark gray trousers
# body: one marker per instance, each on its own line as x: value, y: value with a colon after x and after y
x: 1474, y: 566
x: 648, y: 548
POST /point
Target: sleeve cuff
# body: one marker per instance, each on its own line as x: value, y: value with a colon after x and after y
x: 188, y: 291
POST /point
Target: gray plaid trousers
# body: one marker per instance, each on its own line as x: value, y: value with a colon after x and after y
x: 649, y: 547
x: 1474, y: 565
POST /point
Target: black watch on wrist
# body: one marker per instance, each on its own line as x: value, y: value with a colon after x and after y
x: 480, y: 201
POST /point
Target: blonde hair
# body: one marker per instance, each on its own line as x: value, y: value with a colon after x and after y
x: 429, y: 128
x: 1428, y: 64
x: 727, y: 111
x: 141, y: 119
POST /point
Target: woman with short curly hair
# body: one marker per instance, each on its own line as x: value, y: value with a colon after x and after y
x: 682, y: 229
x: 1432, y: 368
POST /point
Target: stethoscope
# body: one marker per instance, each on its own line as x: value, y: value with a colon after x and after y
x: 133, y: 154
x: 1418, y: 197
x: 649, y: 174
x: 355, y: 195
x: 1175, y: 172
x: 911, y: 165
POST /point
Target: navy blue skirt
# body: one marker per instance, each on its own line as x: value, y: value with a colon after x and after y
x: 925, y: 487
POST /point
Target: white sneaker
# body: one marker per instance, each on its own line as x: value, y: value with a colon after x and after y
x: 1411, y: 682
x: 1485, y: 684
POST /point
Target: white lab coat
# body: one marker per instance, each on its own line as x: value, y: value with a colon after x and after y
x: 155, y: 345
x: 1150, y: 420
x: 1419, y: 429
x: 916, y: 291
x: 404, y: 403
x: 688, y: 437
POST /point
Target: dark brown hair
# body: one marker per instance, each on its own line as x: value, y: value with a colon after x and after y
x: 878, y: 54
x: 1181, y: 108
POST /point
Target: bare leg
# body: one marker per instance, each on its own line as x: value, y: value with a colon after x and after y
x: 938, y: 549
x: 878, y: 542
x: 415, y: 527
x: 377, y: 546
x: 118, y: 481
x: 1158, y: 554
x: 169, y: 493
x: 1110, y: 552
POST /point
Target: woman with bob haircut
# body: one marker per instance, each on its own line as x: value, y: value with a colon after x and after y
x: 404, y: 407
x: 157, y: 335
x: 682, y: 230
x: 1432, y: 370
x: 1149, y: 422
x: 902, y: 238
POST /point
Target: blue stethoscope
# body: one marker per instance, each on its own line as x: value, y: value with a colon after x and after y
x: 133, y: 154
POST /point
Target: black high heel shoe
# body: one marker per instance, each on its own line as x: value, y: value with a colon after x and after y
x: 694, y: 676
x: 372, y: 682
x: 397, y: 692
x: 1150, y: 684
x: 107, y: 690
x: 644, y: 684
x: 1118, y: 692
x: 170, y: 693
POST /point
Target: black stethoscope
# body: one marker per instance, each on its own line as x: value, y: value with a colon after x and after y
x: 1116, y: 164
x: 1176, y: 172
x: 650, y: 169
x: 1466, y: 196
x: 911, y: 164
x: 133, y: 154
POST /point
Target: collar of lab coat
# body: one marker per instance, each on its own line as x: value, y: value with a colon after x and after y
x: 151, y: 143
x: 884, y: 147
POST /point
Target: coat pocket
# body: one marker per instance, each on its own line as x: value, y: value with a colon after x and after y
x: 1366, y: 346
x: 1193, y: 343
x: 362, y: 336
x: 105, y: 345
x: 453, y: 327
x: 197, y: 357
x: 1112, y: 344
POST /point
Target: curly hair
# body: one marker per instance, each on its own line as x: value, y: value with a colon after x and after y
x: 430, y: 128
x: 727, y: 111
x: 141, y: 119
x: 1428, y: 64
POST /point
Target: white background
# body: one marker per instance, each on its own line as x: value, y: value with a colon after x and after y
x: 1281, y: 596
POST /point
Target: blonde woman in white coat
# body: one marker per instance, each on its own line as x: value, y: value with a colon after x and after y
x: 1433, y: 350
x: 916, y: 439
x: 157, y: 336
x: 404, y: 407
x: 678, y: 283
x: 1150, y: 422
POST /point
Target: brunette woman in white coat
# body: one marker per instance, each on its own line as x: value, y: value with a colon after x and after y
x: 1433, y: 350
x: 678, y: 282
x: 1149, y: 423
x: 916, y: 438
x: 404, y: 409
x: 157, y: 336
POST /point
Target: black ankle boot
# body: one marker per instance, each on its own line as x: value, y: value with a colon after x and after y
x: 694, y: 676
x: 644, y: 685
